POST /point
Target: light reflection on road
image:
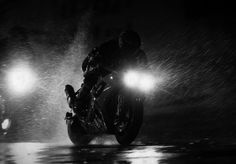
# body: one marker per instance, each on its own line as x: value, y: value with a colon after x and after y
x: 22, y: 153
x: 147, y: 154
x: 30, y: 153
x: 37, y: 153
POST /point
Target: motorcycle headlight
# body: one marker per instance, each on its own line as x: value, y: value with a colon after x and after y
x: 140, y: 80
x: 6, y: 124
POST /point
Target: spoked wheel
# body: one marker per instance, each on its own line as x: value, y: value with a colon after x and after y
x: 128, y: 119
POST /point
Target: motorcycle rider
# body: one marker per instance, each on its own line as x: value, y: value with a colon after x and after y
x: 111, y: 55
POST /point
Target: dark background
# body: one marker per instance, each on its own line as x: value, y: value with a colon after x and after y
x: 191, y: 44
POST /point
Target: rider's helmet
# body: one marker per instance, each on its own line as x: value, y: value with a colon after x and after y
x: 129, y: 39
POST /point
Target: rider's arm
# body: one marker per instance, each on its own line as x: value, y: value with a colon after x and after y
x: 91, y: 59
x: 85, y: 63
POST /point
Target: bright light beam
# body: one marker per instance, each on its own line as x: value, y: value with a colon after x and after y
x: 147, y: 83
x: 141, y: 80
x: 21, y: 79
x: 6, y: 124
x: 131, y: 78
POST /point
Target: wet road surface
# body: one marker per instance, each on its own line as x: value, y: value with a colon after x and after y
x: 29, y: 153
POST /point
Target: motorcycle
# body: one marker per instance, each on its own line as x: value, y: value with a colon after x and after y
x: 116, y: 107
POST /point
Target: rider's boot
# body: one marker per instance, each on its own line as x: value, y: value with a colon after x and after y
x: 70, y: 95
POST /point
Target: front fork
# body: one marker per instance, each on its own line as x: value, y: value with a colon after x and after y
x: 125, y: 102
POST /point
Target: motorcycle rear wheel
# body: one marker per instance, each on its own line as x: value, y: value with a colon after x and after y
x: 134, y: 109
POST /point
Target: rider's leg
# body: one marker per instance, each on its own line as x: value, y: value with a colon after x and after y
x: 83, y: 97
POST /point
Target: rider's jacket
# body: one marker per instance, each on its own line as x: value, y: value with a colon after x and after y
x: 110, y: 55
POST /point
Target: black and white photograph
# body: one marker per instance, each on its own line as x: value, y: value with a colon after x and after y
x: 117, y: 81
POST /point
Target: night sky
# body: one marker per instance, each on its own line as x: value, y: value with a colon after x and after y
x: 190, y: 44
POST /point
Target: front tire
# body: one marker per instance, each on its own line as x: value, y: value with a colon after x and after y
x: 134, y: 107
x: 76, y: 133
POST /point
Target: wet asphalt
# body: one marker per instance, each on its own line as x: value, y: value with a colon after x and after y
x: 30, y: 153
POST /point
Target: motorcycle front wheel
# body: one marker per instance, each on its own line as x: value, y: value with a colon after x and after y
x: 128, y: 118
x: 76, y: 133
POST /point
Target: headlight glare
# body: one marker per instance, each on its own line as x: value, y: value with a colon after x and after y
x: 140, y: 80
x: 146, y: 83
x: 131, y: 78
